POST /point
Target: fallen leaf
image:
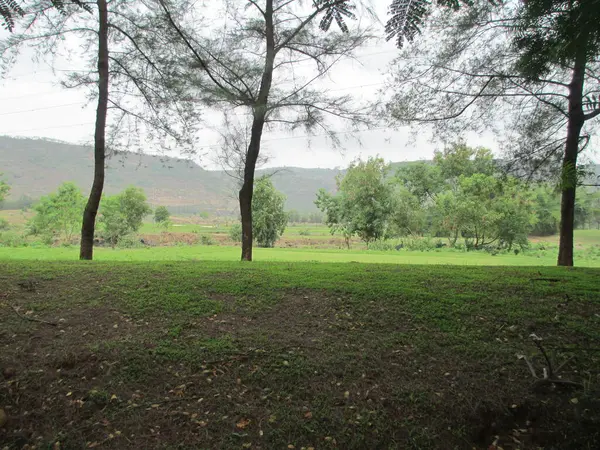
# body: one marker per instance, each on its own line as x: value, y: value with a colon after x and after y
x: 308, y: 415
x: 574, y: 401
x: 242, y: 423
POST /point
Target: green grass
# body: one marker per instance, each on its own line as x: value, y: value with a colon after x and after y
x: 224, y: 354
x: 225, y: 253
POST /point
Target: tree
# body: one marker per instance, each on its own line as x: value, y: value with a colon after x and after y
x: 249, y: 69
x: 143, y: 104
x: 364, y: 201
x: 423, y: 180
x: 123, y: 214
x: 58, y: 214
x: 4, y: 190
x: 336, y: 221
x: 459, y: 159
x: 485, y: 210
x: 408, y: 215
x: 270, y: 218
x: 547, y: 211
x: 528, y: 71
x: 162, y: 216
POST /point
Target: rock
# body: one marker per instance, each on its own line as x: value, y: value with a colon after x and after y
x: 3, y: 418
x: 9, y: 372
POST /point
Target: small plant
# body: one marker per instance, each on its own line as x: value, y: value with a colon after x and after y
x: 235, y: 232
x: 304, y: 232
x: 206, y: 239
x: 130, y: 241
x: 12, y: 239
x: 4, y: 225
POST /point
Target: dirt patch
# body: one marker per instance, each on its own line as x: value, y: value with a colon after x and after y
x: 316, y: 368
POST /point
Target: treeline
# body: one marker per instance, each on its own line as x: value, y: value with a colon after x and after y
x: 305, y: 217
x: 463, y: 196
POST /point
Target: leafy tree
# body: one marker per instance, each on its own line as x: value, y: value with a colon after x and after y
x: 526, y: 70
x: 334, y: 219
x: 363, y: 203
x: 408, y: 215
x: 58, y: 214
x: 460, y: 159
x: 4, y: 190
x: 123, y: 214
x: 423, y: 180
x: 485, y: 210
x: 249, y: 68
x: 162, y: 216
x: 547, y: 211
x: 268, y: 211
x: 448, y: 216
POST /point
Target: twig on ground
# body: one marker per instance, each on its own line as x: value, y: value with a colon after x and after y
x: 32, y: 319
x: 549, y: 373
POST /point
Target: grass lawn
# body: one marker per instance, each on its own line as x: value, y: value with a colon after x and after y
x: 277, y: 355
x: 229, y: 253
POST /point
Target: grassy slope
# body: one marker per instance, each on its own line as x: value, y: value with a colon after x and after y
x: 272, y: 355
x: 222, y: 253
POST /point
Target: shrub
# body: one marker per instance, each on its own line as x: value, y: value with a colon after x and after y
x: 129, y: 241
x: 12, y: 239
x: 235, y: 232
x: 304, y: 232
x: 206, y: 239
x: 4, y: 225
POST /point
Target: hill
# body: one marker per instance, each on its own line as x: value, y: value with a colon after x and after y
x: 35, y: 167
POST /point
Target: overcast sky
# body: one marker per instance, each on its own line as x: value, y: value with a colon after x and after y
x: 32, y: 104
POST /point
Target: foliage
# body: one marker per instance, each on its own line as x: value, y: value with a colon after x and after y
x: 162, y: 217
x: 4, y: 189
x: 11, y: 239
x: 459, y: 159
x: 268, y: 215
x: 363, y: 203
x: 206, y: 239
x: 161, y: 214
x: 123, y: 214
x: 58, y: 215
x: 547, y: 211
x: 408, y: 216
x: 4, y: 225
x: 235, y: 232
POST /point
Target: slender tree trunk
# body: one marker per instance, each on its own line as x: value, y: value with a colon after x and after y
x: 258, y: 124
x: 86, y: 250
x: 569, y: 167
x: 248, y: 186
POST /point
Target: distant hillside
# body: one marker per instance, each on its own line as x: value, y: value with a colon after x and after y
x: 35, y: 167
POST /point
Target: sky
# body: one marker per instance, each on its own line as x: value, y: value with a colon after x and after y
x: 33, y: 104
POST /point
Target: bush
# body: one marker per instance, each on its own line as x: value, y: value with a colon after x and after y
x: 129, y: 241
x: 235, y: 232
x: 304, y: 232
x: 206, y: 239
x: 12, y: 239
x: 384, y: 245
x: 4, y: 225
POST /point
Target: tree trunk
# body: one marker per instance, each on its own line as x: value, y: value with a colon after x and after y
x: 569, y: 167
x: 248, y: 187
x: 259, y: 113
x: 86, y: 250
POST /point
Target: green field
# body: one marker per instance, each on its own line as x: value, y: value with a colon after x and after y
x: 229, y: 253
x: 273, y: 355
